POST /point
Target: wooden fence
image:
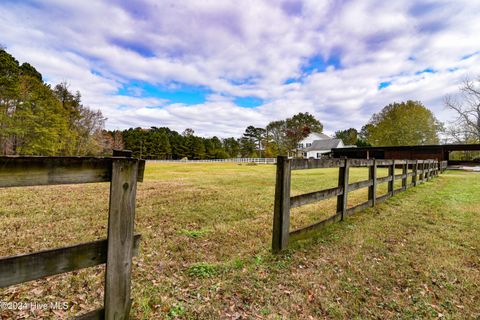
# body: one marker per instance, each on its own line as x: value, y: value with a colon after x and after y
x: 116, y: 251
x: 421, y: 170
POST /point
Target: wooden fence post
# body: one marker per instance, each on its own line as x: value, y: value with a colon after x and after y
x: 342, y: 199
x: 372, y: 190
x: 405, y: 175
x: 415, y: 173
x: 281, y: 213
x: 429, y: 177
x: 391, y: 173
x: 121, y: 220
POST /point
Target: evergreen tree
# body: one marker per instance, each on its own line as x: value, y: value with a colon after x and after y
x: 38, y: 120
x: 197, y: 148
x: 231, y: 146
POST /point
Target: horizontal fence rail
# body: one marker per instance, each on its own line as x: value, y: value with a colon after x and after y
x: 421, y: 170
x: 123, y: 173
x: 33, y: 266
x: 34, y: 171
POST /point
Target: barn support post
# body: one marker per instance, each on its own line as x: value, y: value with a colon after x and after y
x: 427, y: 169
x: 391, y: 174
x: 422, y: 173
x: 429, y: 175
x: 415, y: 173
x: 430, y: 170
x: 281, y: 213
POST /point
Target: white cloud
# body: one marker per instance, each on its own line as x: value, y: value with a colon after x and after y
x: 247, y: 48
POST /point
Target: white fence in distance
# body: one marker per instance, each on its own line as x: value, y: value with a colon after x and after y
x: 231, y: 160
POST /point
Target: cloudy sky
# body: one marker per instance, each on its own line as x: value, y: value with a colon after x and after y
x: 218, y: 66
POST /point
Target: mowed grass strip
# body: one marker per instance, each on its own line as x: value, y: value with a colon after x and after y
x: 205, y: 249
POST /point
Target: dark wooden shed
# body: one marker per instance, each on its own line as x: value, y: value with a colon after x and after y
x: 439, y: 152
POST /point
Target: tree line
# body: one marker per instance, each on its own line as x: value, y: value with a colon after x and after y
x: 278, y: 137
x: 37, y: 119
x: 405, y: 123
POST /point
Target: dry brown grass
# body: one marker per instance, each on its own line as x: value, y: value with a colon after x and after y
x: 205, y: 249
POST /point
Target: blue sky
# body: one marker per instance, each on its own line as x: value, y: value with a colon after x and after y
x: 219, y: 66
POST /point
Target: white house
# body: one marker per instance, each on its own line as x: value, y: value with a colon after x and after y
x: 317, y: 144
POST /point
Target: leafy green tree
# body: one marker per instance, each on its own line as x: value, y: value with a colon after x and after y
x: 349, y: 136
x: 362, y: 143
x: 405, y: 123
x: 352, y: 137
x: 299, y: 127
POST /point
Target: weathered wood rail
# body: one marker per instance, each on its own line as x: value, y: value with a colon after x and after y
x: 123, y: 173
x: 420, y: 171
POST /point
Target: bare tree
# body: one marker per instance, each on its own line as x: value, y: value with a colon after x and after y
x: 466, y: 128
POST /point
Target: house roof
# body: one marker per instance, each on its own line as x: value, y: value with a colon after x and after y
x: 326, y: 144
x: 320, y: 135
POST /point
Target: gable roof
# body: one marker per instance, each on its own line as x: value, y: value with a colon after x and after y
x: 321, y: 136
x: 326, y: 144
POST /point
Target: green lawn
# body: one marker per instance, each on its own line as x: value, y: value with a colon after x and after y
x: 205, y: 249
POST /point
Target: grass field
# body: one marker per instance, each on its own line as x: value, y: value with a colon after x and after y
x: 205, y: 249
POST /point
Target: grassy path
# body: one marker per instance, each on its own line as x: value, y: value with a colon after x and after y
x: 205, y: 247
